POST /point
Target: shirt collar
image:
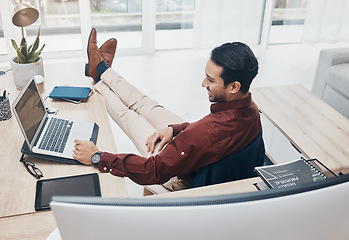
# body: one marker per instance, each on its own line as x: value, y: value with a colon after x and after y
x: 235, y: 104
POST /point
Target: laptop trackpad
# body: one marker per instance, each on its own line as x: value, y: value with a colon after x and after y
x: 81, y: 130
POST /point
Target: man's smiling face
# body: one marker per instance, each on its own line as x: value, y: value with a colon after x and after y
x: 214, y: 84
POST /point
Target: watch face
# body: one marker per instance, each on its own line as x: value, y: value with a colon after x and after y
x: 95, y: 158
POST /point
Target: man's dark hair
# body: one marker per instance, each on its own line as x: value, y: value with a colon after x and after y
x: 238, y: 62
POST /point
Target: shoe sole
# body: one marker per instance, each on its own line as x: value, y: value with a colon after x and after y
x: 87, y: 65
x: 86, y: 69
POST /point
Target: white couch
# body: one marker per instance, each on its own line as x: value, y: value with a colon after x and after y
x: 331, y: 81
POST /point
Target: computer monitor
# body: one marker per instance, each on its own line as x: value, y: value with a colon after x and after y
x: 319, y: 210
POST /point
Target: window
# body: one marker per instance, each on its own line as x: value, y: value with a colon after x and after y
x: 60, y: 25
x: 2, y: 39
x: 288, y: 21
x: 121, y: 19
x: 149, y: 25
x: 174, y: 24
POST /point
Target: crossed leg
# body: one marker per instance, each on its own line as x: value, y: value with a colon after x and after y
x: 137, y: 115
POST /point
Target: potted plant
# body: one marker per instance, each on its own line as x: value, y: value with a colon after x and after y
x: 28, y: 62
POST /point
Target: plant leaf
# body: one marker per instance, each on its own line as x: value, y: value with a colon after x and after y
x: 35, y: 44
x: 30, y: 52
x: 24, y: 51
x: 38, y: 35
x: 29, y: 49
x: 20, y: 57
x: 42, y: 48
x: 14, y: 44
x: 23, y: 42
x: 34, y: 58
x: 23, y: 48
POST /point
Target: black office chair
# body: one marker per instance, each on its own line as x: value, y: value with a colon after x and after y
x: 234, y: 167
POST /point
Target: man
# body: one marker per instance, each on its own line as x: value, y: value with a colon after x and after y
x: 232, y: 124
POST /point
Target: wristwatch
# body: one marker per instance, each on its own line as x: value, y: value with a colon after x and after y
x: 96, y: 158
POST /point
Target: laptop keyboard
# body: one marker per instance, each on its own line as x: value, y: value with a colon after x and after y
x: 56, y: 135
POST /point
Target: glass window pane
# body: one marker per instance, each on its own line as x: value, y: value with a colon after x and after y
x: 3, y: 49
x: 174, y: 24
x: 60, y: 25
x: 120, y: 19
x: 288, y: 21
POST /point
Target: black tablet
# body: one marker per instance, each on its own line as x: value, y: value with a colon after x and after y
x: 79, y: 185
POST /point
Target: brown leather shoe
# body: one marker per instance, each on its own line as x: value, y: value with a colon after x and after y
x: 108, y: 51
x: 94, y: 56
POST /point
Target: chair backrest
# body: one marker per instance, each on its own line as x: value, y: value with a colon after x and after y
x: 234, y: 167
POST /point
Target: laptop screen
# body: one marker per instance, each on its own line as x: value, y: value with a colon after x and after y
x: 30, y: 111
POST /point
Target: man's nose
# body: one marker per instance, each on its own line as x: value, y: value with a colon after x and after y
x: 204, y: 83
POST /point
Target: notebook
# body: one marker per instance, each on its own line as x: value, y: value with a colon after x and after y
x: 67, y: 92
x: 46, y: 135
x: 289, y: 174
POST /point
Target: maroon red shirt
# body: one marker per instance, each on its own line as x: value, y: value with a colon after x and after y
x: 228, y: 129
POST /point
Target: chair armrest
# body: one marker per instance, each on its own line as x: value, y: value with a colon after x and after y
x: 327, y: 58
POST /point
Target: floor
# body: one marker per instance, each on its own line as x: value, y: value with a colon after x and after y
x: 173, y: 78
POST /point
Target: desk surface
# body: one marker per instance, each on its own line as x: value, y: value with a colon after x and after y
x: 17, y: 193
x: 315, y: 128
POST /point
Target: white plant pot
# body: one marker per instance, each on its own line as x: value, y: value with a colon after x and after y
x: 23, y: 72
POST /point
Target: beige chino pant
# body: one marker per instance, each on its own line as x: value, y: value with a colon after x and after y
x: 137, y: 115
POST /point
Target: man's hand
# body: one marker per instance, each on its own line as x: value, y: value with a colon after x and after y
x: 164, y: 136
x: 84, y: 151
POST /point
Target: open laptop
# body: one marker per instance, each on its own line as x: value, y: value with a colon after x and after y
x: 47, y: 135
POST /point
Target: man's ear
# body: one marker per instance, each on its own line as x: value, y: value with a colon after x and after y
x: 234, y: 87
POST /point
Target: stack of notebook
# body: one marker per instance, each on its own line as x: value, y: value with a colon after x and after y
x: 71, y: 94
